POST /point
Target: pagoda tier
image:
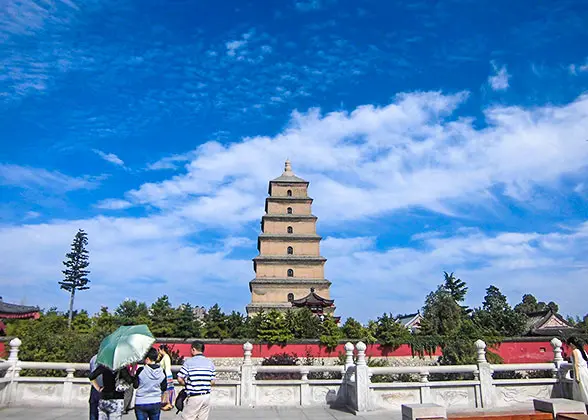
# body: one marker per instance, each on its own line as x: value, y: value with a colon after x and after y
x: 289, y: 261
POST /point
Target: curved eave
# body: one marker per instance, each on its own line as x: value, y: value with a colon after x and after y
x: 289, y: 259
x: 289, y: 217
x: 288, y: 281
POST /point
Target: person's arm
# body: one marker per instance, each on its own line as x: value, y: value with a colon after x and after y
x: 163, y: 384
x: 94, y: 375
x: 182, y: 375
x: 576, y: 355
x: 136, y: 377
x: 213, y: 375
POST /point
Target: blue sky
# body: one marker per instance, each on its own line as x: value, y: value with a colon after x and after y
x: 437, y: 135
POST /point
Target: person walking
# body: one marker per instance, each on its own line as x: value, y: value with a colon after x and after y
x: 129, y: 392
x: 111, y: 402
x: 197, y: 375
x: 167, y: 400
x: 580, y: 362
x: 94, y: 393
x: 150, y: 382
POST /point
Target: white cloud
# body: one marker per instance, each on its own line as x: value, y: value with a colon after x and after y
x: 412, y: 153
x: 308, y: 5
x: 32, y: 215
x: 110, y: 157
x: 233, y: 46
x: 27, y: 177
x: 499, y: 81
x: 575, y: 69
x: 114, y: 204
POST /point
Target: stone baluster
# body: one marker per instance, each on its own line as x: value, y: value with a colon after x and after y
x: 66, y: 397
x: 558, y: 360
x: 362, y: 380
x: 247, y: 391
x: 348, y: 355
x: 10, y: 393
x: 426, y: 396
x: 304, y: 387
x: 485, y: 374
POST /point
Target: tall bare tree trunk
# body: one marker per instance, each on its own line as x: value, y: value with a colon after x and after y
x: 71, y: 303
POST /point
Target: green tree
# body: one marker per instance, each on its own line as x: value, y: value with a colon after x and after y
x: 529, y: 304
x: 131, y: 312
x: 215, y: 325
x: 187, y: 326
x: 82, y: 323
x: 353, y: 330
x: 456, y: 287
x: 273, y: 329
x: 458, y: 290
x: 164, y: 318
x: 497, y: 316
x: 441, y: 314
x: 75, y: 273
x: 390, y: 333
x: 330, y: 334
x: 306, y: 325
x: 103, y: 323
x: 236, y: 325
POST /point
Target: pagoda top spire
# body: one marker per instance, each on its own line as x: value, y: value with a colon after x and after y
x: 288, y: 168
x: 288, y: 175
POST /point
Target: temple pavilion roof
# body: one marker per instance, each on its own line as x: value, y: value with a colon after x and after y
x: 549, y: 323
x: 313, y: 300
x: 288, y: 176
x: 14, y: 311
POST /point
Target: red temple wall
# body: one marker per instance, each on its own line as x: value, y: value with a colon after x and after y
x: 511, y: 352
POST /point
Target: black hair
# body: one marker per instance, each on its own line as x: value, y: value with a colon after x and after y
x: 164, y: 347
x: 198, y: 346
x: 579, y: 345
x: 152, y: 354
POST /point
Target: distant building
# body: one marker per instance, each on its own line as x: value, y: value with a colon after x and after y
x: 411, y: 321
x: 14, y: 311
x: 199, y: 312
x: 289, y: 269
x: 548, y: 323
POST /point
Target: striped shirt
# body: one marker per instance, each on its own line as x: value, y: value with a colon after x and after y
x: 197, y: 372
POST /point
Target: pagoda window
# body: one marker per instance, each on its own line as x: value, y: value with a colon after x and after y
x: 290, y: 297
x: 289, y: 210
x: 290, y: 250
x: 289, y: 193
x: 290, y: 229
x: 290, y: 272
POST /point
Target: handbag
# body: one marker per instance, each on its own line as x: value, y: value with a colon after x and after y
x: 180, y: 400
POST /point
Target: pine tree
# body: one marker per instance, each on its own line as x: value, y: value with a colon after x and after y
x: 163, y: 317
x: 330, y: 333
x: 75, y: 273
x: 457, y: 289
x: 352, y: 329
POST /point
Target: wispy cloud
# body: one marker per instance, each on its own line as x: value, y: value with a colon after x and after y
x: 113, y: 204
x: 576, y: 69
x: 500, y: 79
x: 27, y: 177
x: 110, y: 157
x: 308, y: 5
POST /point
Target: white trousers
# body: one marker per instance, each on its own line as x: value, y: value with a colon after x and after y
x: 196, y: 407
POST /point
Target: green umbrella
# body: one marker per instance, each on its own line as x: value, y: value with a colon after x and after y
x: 125, y: 346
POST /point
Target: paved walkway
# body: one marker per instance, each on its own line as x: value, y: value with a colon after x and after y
x: 218, y: 413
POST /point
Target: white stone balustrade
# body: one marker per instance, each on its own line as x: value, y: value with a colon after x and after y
x: 477, y: 387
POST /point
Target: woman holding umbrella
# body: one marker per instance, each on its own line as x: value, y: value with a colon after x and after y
x: 110, y: 406
x: 125, y: 346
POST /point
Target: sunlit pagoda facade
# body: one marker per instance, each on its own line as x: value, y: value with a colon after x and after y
x: 289, y: 270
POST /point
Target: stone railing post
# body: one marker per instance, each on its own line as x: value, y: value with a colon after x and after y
x: 305, y: 395
x: 68, y: 387
x: 485, y: 375
x: 558, y: 360
x: 10, y: 393
x: 247, y: 391
x: 362, y: 380
x: 426, y: 396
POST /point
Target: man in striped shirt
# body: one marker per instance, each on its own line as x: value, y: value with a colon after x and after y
x: 197, y: 375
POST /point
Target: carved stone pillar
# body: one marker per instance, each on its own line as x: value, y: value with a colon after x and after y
x: 485, y: 375
x: 362, y: 380
x: 247, y: 391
